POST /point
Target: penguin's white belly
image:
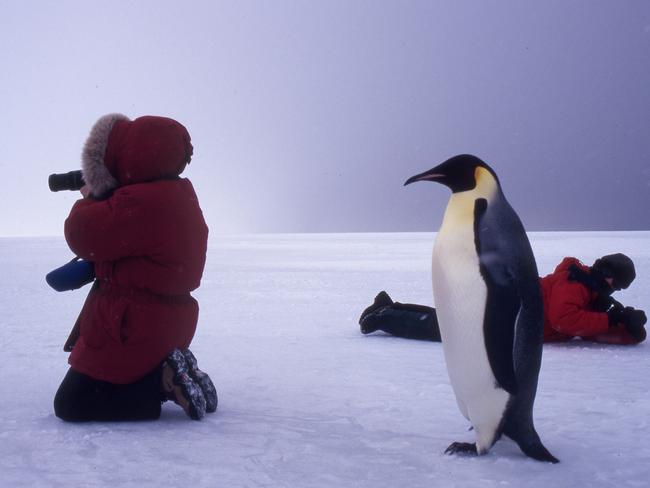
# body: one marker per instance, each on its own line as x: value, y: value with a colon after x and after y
x: 460, y: 295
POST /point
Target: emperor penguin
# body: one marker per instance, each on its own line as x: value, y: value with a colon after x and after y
x: 489, y: 305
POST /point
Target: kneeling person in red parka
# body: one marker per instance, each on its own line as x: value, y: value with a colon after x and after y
x: 142, y: 227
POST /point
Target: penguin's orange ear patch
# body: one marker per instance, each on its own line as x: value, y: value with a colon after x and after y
x: 485, y: 182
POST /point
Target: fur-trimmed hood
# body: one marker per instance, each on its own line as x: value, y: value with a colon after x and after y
x: 121, y: 152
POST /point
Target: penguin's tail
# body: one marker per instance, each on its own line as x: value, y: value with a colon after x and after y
x: 529, y: 442
x: 536, y: 450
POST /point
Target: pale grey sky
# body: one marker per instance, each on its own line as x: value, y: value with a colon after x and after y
x: 309, y: 116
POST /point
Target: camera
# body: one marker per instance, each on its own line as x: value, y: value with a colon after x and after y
x: 72, y: 180
x: 77, y: 272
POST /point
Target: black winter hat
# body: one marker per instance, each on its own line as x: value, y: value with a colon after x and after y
x: 617, y: 266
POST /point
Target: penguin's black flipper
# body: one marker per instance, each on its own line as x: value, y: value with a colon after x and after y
x: 499, y: 331
x: 502, y: 303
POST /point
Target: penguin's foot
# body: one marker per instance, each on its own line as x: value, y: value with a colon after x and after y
x: 462, y: 448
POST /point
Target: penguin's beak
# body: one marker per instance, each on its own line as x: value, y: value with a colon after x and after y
x: 431, y: 175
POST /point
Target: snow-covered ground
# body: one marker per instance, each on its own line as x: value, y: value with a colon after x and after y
x: 305, y: 399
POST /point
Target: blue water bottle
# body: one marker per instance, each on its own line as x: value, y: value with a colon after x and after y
x: 72, y: 275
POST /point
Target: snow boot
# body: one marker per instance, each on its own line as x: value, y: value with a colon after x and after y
x: 178, y: 386
x: 381, y: 300
x: 203, y: 380
x: 404, y: 320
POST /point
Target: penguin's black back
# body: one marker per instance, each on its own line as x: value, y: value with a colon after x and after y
x: 514, y: 320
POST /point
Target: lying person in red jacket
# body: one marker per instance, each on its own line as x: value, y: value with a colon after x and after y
x: 141, y: 226
x: 577, y: 303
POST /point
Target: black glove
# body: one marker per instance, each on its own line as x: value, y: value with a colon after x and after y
x: 616, y: 314
x: 634, y: 320
x: 603, y: 303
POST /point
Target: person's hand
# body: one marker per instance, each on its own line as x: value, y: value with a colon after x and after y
x: 616, y: 314
x: 603, y: 303
x: 634, y: 320
x: 85, y: 192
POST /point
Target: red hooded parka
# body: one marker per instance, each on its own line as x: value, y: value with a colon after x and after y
x: 148, y: 241
x: 569, y: 309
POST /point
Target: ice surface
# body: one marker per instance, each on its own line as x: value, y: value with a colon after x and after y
x: 305, y: 400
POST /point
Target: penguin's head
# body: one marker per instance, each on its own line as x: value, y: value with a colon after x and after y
x: 458, y: 173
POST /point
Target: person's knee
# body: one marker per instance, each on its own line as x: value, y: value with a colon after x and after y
x: 64, y: 411
x: 67, y: 399
x: 65, y: 408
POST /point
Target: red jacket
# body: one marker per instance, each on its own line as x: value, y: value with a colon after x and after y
x: 148, y: 241
x: 569, y: 309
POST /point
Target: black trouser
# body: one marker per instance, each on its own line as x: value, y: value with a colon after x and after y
x: 406, y: 320
x: 81, y: 398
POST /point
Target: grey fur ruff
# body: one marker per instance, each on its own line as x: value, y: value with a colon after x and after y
x: 96, y: 176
